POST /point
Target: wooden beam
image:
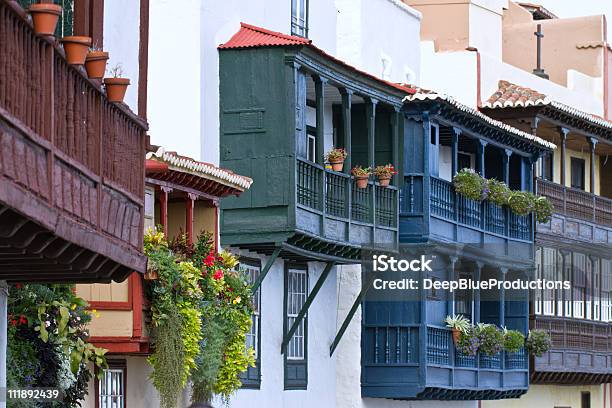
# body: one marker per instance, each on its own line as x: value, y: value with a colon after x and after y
x: 346, y: 121
x: 311, y: 297
x: 265, y: 270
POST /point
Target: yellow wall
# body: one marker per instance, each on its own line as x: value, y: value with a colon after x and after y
x: 549, y: 396
x: 103, y: 292
x: 586, y: 155
x: 204, y: 218
x: 116, y: 323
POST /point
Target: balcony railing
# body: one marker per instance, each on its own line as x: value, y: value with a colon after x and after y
x: 67, y: 144
x: 575, y: 334
x: 576, y: 203
x: 486, y: 216
x: 336, y: 195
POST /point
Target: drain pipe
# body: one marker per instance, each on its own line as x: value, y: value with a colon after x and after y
x: 478, y: 77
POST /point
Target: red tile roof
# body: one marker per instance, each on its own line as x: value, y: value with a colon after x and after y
x: 511, y: 95
x: 250, y: 36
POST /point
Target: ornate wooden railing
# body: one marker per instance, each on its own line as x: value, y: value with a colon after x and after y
x: 576, y: 203
x: 576, y: 334
x: 447, y: 204
x: 336, y: 193
x: 66, y: 143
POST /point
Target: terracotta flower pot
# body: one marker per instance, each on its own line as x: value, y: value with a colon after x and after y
x: 337, y: 165
x: 361, y: 181
x: 95, y: 64
x: 115, y: 88
x: 384, y: 181
x: 44, y: 17
x: 456, y: 334
x: 76, y: 48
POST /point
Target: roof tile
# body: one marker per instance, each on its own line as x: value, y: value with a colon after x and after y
x: 251, y: 36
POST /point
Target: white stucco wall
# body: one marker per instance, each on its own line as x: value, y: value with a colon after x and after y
x: 485, y: 28
x: 122, y: 41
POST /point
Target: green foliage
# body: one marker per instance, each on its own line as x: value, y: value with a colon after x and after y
x: 514, y: 340
x: 359, y: 171
x: 48, y: 341
x: 468, y: 342
x: 458, y: 322
x: 538, y: 342
x: 498, y: 192
x: 337, y: 154
x: 521, y: 202
x: 470, y: 184
x: 543, y: 209
x: 491, y: 339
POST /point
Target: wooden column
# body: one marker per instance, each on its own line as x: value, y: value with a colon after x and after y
x: 592, y: 143
x: 455, y: 151
x: 395, y: 136
x: 163, y: 209
x: 477, y: 273
x: 371, y: 129
x: 189, y: 204
x: 346, y: 121
x: 506, y: 165
x: 480, y: 148
x: 320, y: 101
x: 450, y: 305
x: 563, y: 132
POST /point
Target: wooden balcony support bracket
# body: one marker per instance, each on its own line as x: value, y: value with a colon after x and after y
x: 311, y: 297
x: 265, y: 270
x: 351, y: 313
x: 563, y: 132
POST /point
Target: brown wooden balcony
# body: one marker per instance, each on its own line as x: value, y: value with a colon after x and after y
x: 581, y: 352
x: 576, y: 203
x: 71, y: 167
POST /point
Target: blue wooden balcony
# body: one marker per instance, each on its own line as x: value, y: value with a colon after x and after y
x: 456, y: 219
x: 420, y: 362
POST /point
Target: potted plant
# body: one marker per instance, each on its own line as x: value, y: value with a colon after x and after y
x: 384, y: 174
x: 95, y: 62
x: 361, y: 175
x: 458, y: 324
x: 470, y: 184
x: 498, y: 192
x: 336, y: 157
x: 468, y: 342
x: 76, y: 48
x: 543, y: 209
x: 491, y: 339
x: 514, y: 340
x: 116, y: 86
x: 521, y: 202
x: 538, y: 342
x: 44, y: 17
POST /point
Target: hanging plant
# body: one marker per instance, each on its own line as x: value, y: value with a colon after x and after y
x: 384, y: 174
x: 335, y: 157
x: 468, y: 342
x: 538, y: 342
x: 361, y: 174
x: 470, y: 184
x: 490, y: 338
x: 514, y: 341
x: 498, y: 192
x: 521, y: 202
x: 457, y: 324
x: 543, y: 209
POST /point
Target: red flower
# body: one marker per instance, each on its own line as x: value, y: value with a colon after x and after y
x: 23, y: 320
x: 18, y: 285
x: 218, y: 274
x: 210, y: 260
x: 13, y: 322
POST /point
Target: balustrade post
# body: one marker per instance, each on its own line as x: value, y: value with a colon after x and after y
x: 454, y: 164
x: 563, y: 132
x: 506, y: 176
x: 592, y: 143
x: 371, y: 130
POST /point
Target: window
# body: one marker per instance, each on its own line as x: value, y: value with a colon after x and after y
x: 547, y: 167
x: 580, y: 284
x: 251, y: 378
x: 585, y: 399
x: 577, y: 173
x: 464, y: 304
x: 464, y: 161
x: 299, y: 18
x: 111, y: 388
x: 296, y: 291
x: 311, y: 144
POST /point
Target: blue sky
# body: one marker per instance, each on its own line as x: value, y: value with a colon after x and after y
x: 573, y: 8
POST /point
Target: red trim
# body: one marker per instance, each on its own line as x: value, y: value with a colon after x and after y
x: 137, y: 301
x: 163, y: 210
x: 121, y: 345
x: 110, y: 305
x: 154, y: 166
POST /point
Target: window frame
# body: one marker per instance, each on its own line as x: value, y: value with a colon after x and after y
x: 582, y: 163
x: 291, y: 364
x: 251, y: 378
x: 296, y: 28
x: 113, y: 364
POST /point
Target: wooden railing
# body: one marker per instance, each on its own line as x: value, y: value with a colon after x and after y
x: 336, y: 193
x: 567, y: 333
x: 447, y: 204
x: 67, y: 144
x: 576, y: 203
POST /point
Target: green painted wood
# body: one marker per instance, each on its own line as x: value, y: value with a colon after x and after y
x: 311, y: 297
x: 370, y: 109
x: 265, y: 270
x: 346, y: 126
